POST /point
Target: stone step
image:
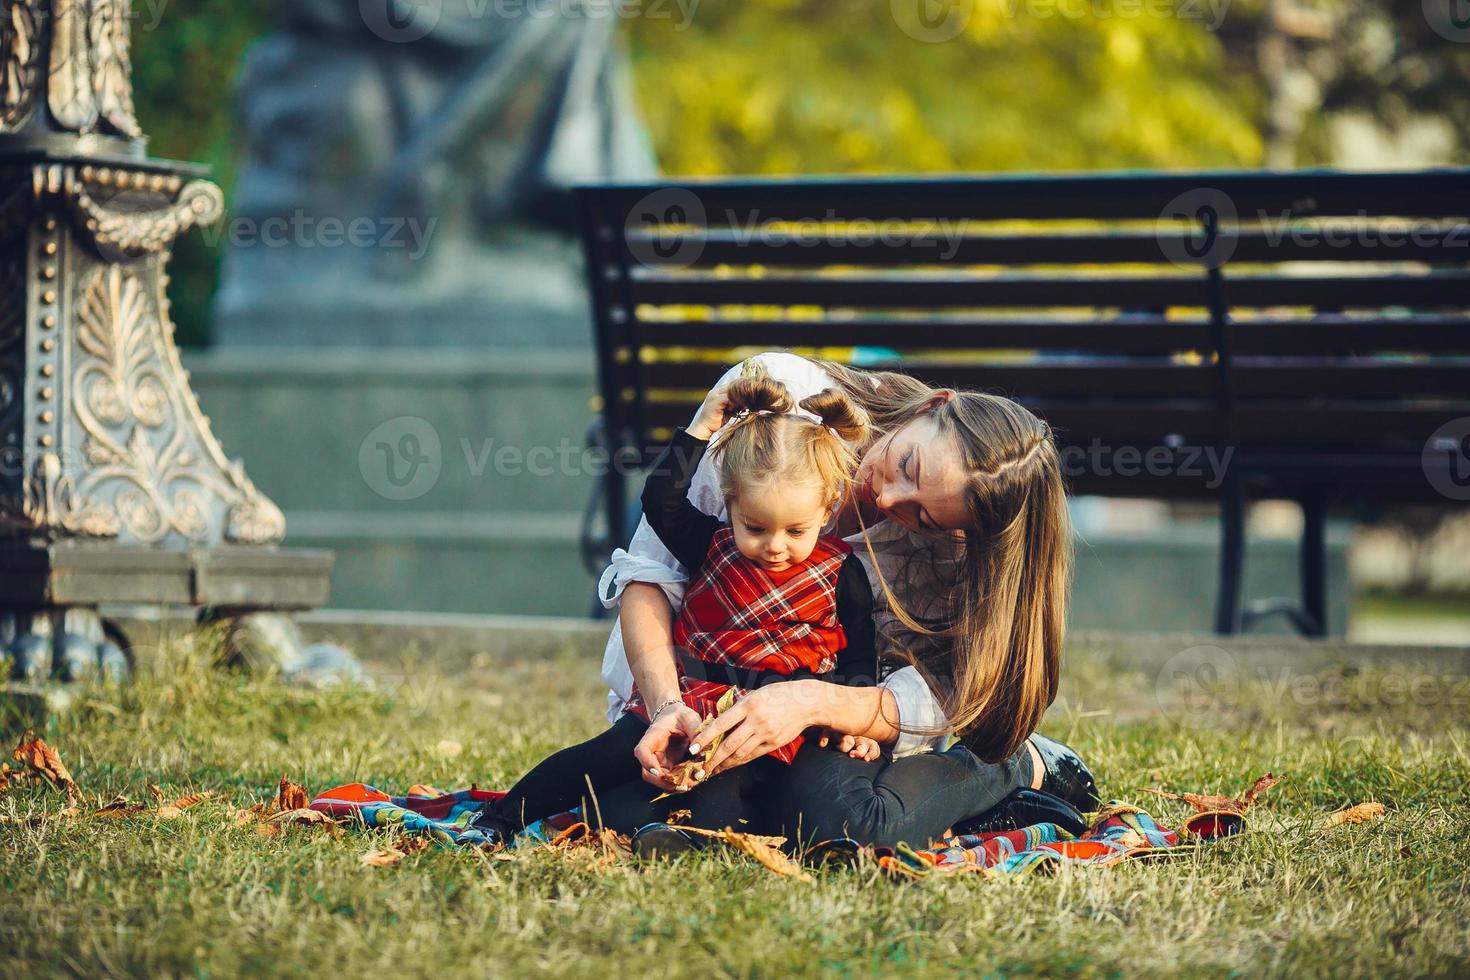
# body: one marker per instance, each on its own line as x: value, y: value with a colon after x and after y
x: 529, y: 563
x: 396, y: 432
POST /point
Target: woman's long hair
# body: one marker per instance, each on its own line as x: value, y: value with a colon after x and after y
x: 1004, y: 616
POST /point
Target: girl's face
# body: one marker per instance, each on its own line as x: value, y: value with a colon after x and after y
x: 916, y: 476
x: 776, y: 525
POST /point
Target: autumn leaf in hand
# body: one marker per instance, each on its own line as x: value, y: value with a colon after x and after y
x: 690, y: 771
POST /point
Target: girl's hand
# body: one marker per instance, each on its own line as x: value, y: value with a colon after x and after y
x: 855, y: 746
x: 711, y: 414
x: 763, y: 720
x: 665, y: 745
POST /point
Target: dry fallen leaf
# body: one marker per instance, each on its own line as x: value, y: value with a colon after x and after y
x: 154, y: 791
x: 1212, y: 803
x: 304, y: 815
x: 291, y: 796
x: 10, y: 777
x: 1354, y: 814
x: 679, y: 816
x: 42, y: 759
x: 119, y: 808
x: 192, y: 799
x: 251, y: 814
x: 764, y: 849
x: 382, y: 859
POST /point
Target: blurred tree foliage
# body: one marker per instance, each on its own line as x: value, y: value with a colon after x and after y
x: 844, y: 86
x: 786, y: 86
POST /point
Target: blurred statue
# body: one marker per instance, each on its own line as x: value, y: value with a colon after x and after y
x: 406, y: 172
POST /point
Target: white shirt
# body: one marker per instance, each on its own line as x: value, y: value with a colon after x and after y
x: 647, y: 560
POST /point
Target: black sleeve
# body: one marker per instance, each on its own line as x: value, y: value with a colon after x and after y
x: 857, y: 663
x: 683, y: 528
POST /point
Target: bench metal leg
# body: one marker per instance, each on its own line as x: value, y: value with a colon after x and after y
x: 1232, y: 557
x: 1314, y: 564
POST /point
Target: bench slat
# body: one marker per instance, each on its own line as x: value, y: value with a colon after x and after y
x: 805, y: 248
x: 1136, y: 335
x: 913, y: 291
x: 1140, y: 195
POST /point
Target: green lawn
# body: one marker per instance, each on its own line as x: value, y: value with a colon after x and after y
x: 198, y: 896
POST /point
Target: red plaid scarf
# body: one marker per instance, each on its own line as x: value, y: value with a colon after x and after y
x: 737, y: 614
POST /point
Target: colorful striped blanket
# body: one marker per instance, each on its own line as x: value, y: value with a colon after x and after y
x: 443, y: 817
x: 1119, y: 832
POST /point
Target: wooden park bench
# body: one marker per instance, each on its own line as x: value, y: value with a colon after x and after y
x: 1315, y: 326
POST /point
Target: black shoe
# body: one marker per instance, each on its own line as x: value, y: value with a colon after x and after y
x: 1025, y: 808
x: 840, y: 852
x: 1065, y: 776
x: 654, y: 841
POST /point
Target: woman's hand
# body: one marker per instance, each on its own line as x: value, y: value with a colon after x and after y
x: 711, y: 414
x: 763, y: 720
x: 665, y: 745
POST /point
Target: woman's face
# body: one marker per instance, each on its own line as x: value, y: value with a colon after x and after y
x: 916, y: 476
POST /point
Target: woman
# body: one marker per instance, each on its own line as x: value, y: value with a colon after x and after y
x: 960, y: 511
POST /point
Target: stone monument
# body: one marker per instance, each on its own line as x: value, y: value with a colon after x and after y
x: 406, y: 169
x: 112, y: 486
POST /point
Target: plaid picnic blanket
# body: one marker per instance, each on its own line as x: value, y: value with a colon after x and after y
x: 443, y: 817
x: 1119, y: 832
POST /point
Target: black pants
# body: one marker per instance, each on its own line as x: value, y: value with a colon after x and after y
x: 824, y: 794
x: 619, y: 799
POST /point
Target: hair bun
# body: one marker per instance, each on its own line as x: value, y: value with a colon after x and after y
x: 839, y: 412
x: 758, y: 394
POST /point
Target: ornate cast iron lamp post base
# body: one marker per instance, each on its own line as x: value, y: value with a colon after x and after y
x: 112, y: 487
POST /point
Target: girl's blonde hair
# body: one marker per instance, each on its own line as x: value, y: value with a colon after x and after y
x: 764, y: 444
x: 1004, y: 615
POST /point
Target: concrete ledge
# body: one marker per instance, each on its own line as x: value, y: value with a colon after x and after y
x: 453, y: 642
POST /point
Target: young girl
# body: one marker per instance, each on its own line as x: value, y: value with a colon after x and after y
x: 771, y: 599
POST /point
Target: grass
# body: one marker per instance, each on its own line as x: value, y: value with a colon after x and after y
x: 197, y: 896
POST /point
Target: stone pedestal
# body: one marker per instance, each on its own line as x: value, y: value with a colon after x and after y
x: 112, y: 484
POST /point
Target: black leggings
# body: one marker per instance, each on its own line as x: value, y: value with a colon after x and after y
x: 619, y: 798
x: 825, y: 794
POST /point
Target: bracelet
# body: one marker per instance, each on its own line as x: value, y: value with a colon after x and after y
x: 660, y: 710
